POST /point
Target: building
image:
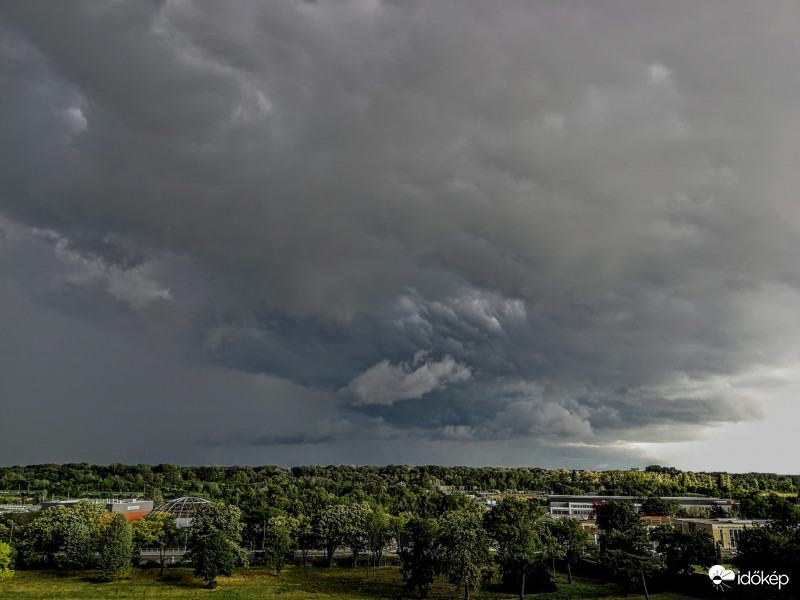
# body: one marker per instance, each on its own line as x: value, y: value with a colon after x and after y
x: 183, y: 509
x: 132, y: 509
x: 590, y: 525
x: 583, y: 506
x: 725, y: 532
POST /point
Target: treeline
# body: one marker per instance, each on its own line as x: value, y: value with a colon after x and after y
x: 511, y: 547
x: 76, y: 480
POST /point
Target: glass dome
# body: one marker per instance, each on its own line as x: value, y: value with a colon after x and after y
x: 181, y: 508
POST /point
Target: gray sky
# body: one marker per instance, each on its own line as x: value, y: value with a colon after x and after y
x: 517, y: 233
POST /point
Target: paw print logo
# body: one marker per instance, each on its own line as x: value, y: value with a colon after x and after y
x: 719, y: 575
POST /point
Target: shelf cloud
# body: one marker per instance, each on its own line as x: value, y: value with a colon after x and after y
x: 331, y: 232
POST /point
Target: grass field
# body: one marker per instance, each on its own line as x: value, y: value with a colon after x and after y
x: 295, y: 583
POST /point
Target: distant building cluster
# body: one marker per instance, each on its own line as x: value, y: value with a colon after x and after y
x: 725, y: 530
x: 132, y: 509
x: 583, y: 507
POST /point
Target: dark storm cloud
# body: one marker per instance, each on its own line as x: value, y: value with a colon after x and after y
x: 556, y: 222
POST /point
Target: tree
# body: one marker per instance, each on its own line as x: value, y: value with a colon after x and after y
x: 419, y: 558
x: 44, y: 536
x: 277, y: 542
x: 81, y: 536
x: 356, y: 528
x: 618, y: 516
x: 116, y: 548
x: 625, y: 547
x: 717, y: 512
x: 6, y: 572
x: 157, y: 530
x: 784, y: 516
x: 214, y: 547
x: 336, y: 527
x: 776, y: 545
x: 331, y: 529
x: 514, y: 525
x: 653, y: 505
x: 156, y: 497
x: 212, y: 556
x: 463, y: 546
x: 397, y: 525
x: 78, y: 542
x: 681, y: 550
x: 304, y: 534
x: 573, y: 540
x: 753, y: 508
x: 378, y: 534
x: 64, y: 536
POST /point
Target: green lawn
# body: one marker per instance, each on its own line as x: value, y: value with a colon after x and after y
x: 295, y: 583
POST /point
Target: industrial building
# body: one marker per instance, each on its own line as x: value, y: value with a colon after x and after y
x: 583, y: 507
x: 132, y: 509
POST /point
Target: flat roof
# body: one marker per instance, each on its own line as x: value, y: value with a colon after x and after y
x: 598, y: 497
x: 721, y: 521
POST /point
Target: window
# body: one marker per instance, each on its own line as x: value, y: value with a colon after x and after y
x: 734, y: 535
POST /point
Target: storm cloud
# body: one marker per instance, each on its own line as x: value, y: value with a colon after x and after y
x: 505, y: 233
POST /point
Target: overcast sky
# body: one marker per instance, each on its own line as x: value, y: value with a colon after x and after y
x: 550, y: 233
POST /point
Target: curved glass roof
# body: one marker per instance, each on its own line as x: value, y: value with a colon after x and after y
x: 181, y: 508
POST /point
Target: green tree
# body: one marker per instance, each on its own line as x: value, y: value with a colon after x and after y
x: 397, y: 525
x: 277, y: 542
x: 717, y: 512
x: 44, y: 535
x: 754, y: 507
x: 618, y: 516
x: 212, y: 556
x: 625, y: 546
x: 655, y: 506
x: 515, y: 525
x: 335, y: 528
x: 784, y: 516
x: 78, y: 543
x: 157, y: 530
x: 156, y: 497
x: 116, y: 548
x: 419, y: 556
x: 681, y: 550
x: 378, y: 534
x: 759, y: 546
x: 573, y: 540
x: 304, y: 534
x: 356, y: 531
x: 464, y: 547
x: 215, y: 537
x: 64, y: 536
x: 6, y: 572
x: 777, y: 544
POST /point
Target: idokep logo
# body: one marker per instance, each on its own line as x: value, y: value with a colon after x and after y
x: 719, y: 575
